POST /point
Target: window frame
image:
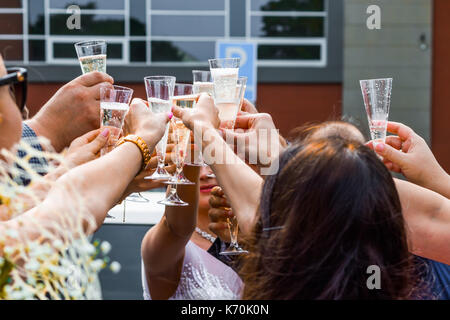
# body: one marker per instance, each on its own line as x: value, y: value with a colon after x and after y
x: 327, y: 70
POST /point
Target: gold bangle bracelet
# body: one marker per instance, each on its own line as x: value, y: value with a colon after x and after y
x: 141, y: 144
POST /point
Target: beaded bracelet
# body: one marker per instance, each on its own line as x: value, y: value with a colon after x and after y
x: 141, y: 144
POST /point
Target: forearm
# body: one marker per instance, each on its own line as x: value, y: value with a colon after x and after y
x: 99, y: 183
x: 441, y: 184
x: 427, y: 217
x: 163, y: 245
x: 240, y: 183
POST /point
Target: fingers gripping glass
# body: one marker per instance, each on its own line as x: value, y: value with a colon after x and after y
x: 17, y: 80
x: 377, y: 101
x: 180, y: 135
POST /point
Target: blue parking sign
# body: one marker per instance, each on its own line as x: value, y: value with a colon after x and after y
x: 246, y: 50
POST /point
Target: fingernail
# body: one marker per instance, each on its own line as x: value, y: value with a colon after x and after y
x: 380, y: 147
x: 170, y: 115
x: 105, y: 132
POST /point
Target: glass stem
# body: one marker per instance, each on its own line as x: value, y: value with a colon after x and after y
x: 233, y: 227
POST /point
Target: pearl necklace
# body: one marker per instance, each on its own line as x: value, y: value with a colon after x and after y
x: 205, y: 235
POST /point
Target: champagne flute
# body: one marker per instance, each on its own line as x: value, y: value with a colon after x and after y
x: 224, y: 73
x: 159, y: 95
x: 92, y: 55
x: 202, y: 82
x: 183, y: 98
x: 114, y: 106
x: 377, y: 101
x: 227, y: 114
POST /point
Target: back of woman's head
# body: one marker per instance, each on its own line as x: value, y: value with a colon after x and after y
x: 340, y: 213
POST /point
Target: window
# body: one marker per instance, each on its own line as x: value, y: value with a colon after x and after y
x: 175, y: 33
x: 288, y: 32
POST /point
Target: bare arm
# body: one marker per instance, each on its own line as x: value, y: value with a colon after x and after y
x: 240, y: 183
x: 427, y: 216
x: 163, y: 246
x: 89, y: 181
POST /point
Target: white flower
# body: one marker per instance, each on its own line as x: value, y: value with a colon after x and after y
x: 32, y: 265
x: 88, y: 249
x: 105, y: 247
x: 59, y: 271
x: 97, y: 264
x: 8, y: 250
x: 58, y: 244
x: 115, y: 267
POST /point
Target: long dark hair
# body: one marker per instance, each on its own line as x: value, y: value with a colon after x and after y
x: 330, y: 212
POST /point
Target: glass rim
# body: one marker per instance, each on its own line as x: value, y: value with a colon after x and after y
x: 224, y: 59
x: 183, y: 84
x: 117, y: 88
x: 202, y: 71
x: 379, y: 79
x: 87, y: 43
x: 159, y: 78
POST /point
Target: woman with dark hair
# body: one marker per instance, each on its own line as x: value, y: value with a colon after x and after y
x: 330, y: 212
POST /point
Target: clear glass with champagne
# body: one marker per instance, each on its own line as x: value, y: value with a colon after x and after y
x: 92, y: 55
x: 377, y: 101
x: 227, y: 114
x: 159, y: 95
x: 183, y: 97
x: 114, y: 106
x: 202, y: 82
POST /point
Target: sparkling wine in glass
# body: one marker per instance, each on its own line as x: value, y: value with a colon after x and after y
x: 91, y: 55
x: 159, y: 95
x: 227, y: 117
x: 377, y: 101
x: 114, y: 106
x: 183, y: 98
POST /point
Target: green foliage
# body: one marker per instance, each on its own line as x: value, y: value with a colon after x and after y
x: 5, y: 271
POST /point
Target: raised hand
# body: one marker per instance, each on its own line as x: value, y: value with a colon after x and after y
x: 73, y: 111
x: 219, y: 213
x: 408, y: 153
x: 142, y: 122
x: 204, y: 116
x: 248, y: 107
x: 87, y: 147
x: 256, y: 132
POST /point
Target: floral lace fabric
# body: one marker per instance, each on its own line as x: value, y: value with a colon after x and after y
x: 51, y: 258
x: 203, y: 277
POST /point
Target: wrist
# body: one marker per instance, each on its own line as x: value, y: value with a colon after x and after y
x: 148, y: 138
x: 141, y: 145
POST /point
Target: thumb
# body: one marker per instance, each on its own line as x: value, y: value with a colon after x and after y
x: 391, y: 154
x: 99, y: 142
x: 178, y: 112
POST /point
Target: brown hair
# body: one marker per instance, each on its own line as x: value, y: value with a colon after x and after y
x: 330, y: 212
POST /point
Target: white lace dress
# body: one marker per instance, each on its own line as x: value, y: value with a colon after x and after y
x: 203, y: 277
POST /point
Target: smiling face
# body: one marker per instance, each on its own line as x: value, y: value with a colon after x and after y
x: 206, y: 184
x: 10, y: 117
